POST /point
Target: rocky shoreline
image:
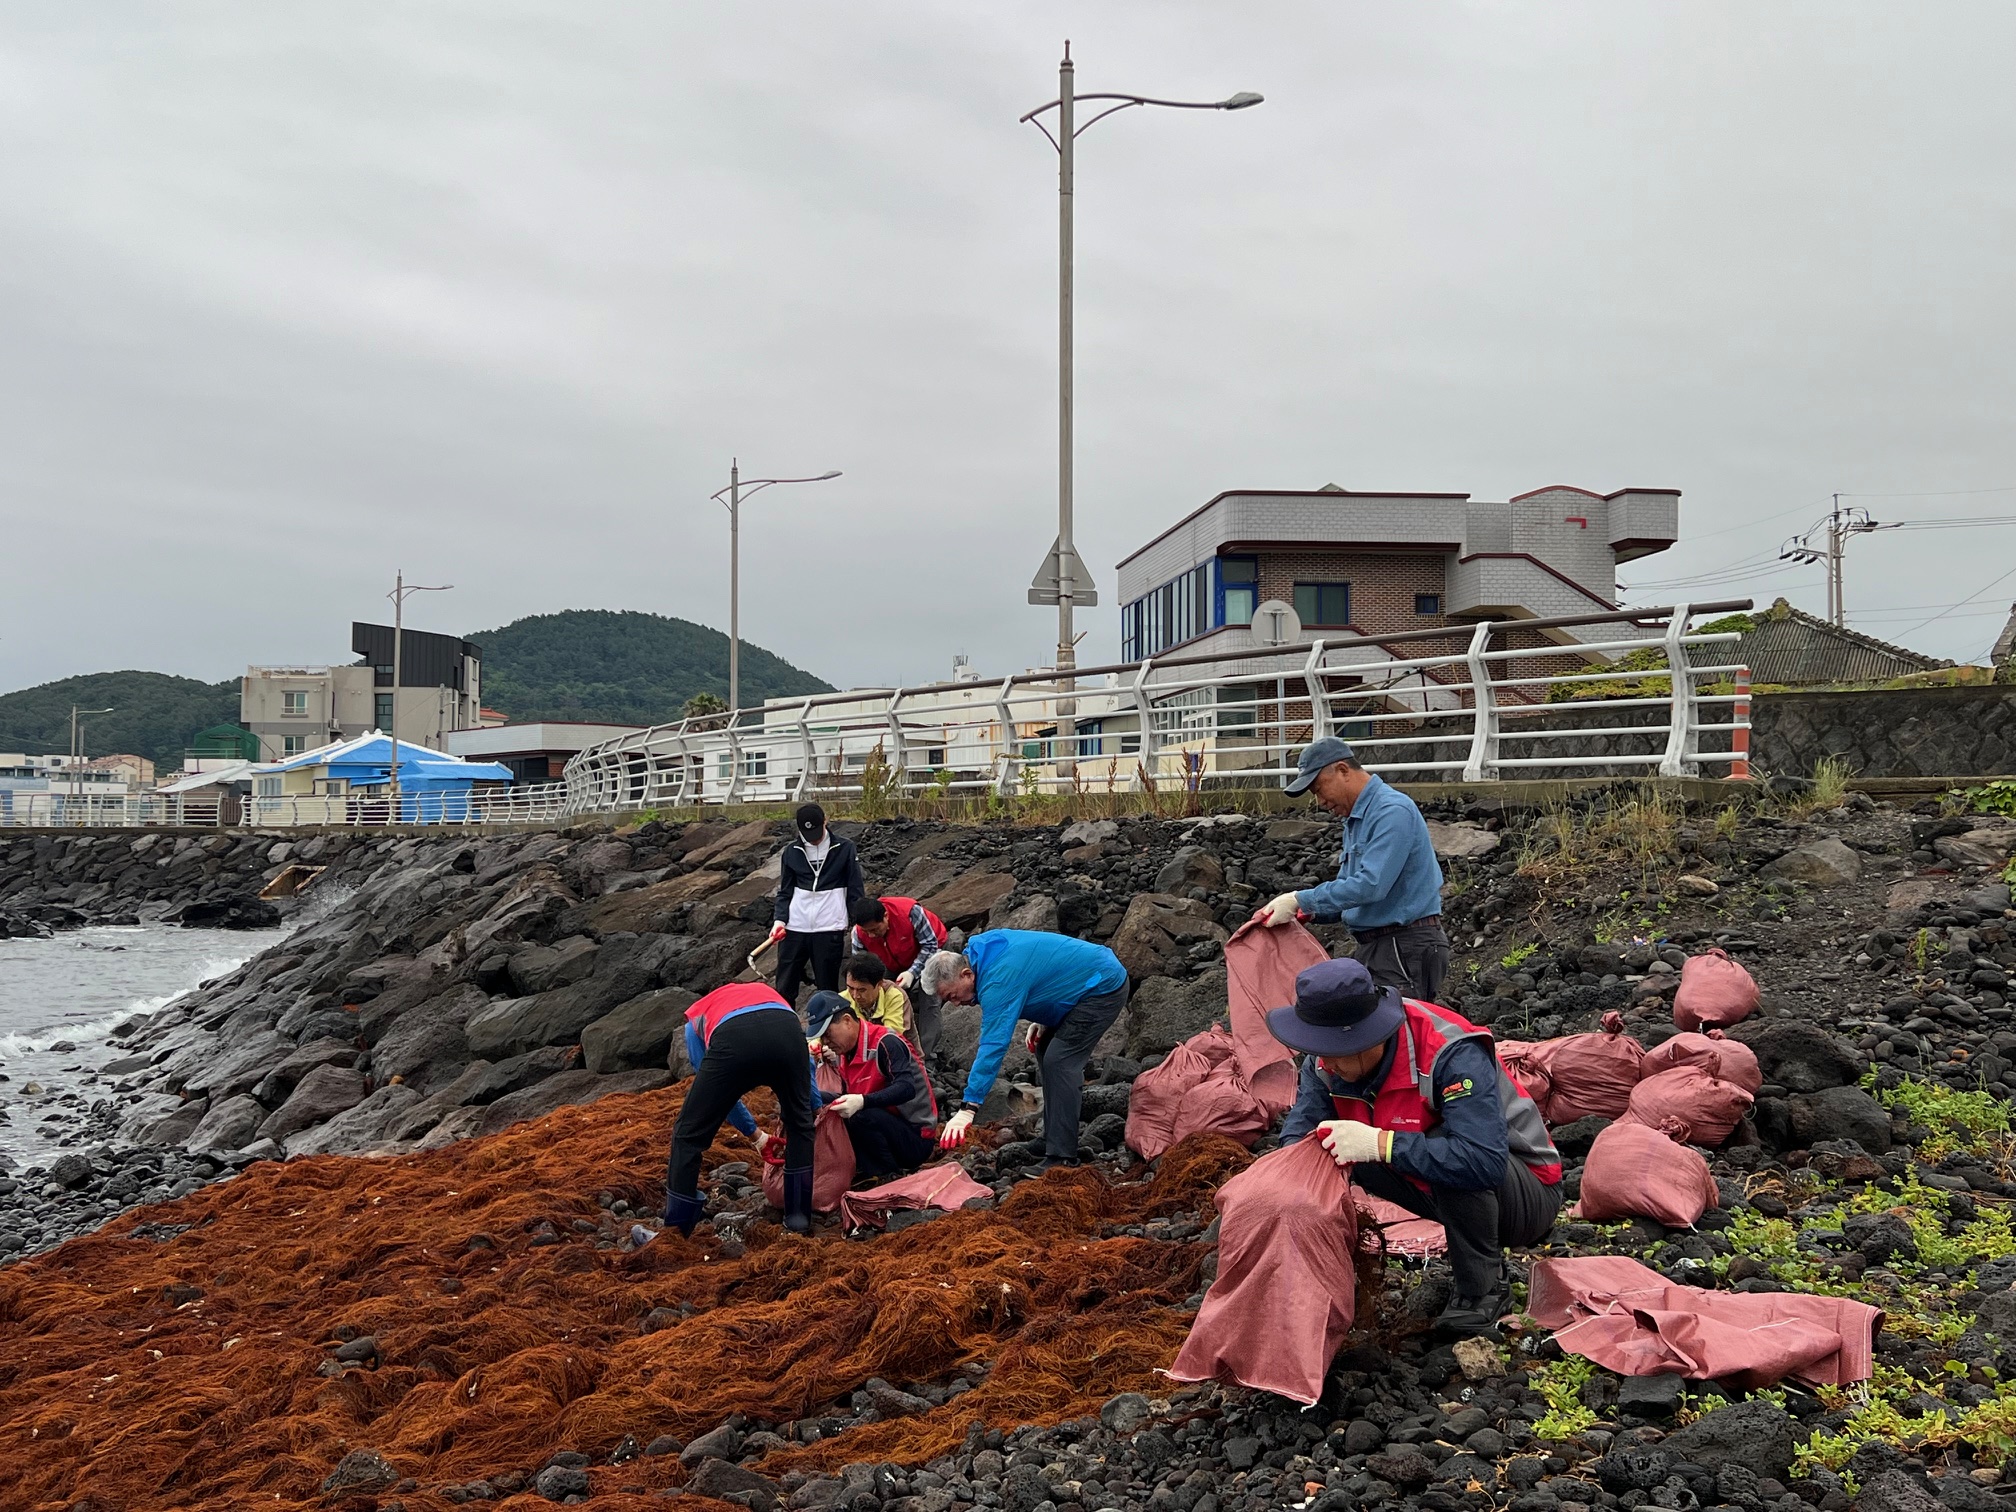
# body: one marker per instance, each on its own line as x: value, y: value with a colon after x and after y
x: 443, y: 988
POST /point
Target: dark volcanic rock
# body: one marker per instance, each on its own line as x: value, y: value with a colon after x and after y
x: 1754, y: 1434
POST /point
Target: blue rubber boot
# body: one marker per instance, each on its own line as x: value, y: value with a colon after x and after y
x: 798, y: 1201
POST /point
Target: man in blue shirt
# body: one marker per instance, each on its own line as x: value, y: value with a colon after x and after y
x: 1388, y: 887
x: 1070, y: 990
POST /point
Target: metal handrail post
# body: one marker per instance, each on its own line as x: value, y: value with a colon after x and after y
x: 1682, y: 758
x: 1010, y: 761
x: 1482, y: 763
x: 1144, y: 713
x: 808, y: 755
x: 1319, y: 700
x: 900, y: 743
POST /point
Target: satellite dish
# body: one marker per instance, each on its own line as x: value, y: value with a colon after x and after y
x: 1276, y: 623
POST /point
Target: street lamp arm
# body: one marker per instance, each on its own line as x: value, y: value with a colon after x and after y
x: 755, y: 484
x: 1240, y: 101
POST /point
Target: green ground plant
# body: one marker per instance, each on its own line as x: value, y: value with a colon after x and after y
x: 1973, y: 1123
x: 1517, y: 956
x: 1990, y: 798
x: 1560, y: 1386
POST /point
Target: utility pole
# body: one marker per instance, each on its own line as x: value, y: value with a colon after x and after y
x: 1062, y: 579
x: 400, y: 589
x: 77, y: 751
x: 1839, y: 525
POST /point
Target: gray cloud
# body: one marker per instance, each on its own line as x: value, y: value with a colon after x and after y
x: 293, y: 297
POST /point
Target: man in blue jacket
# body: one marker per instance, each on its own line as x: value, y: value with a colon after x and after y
x: 1070, y: 990
x: 1388, y: 887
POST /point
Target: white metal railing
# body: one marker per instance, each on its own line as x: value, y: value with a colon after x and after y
x: 1470, y: 706
x: 35, y: 810
x: 543, y: 803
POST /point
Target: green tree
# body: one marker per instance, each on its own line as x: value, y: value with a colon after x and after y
x: 153, y: 714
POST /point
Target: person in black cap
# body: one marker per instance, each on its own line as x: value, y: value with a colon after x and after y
x: 819, y: 877
x: 1413, y: 1101
x: 891, y: 1115
x: 1388, y: 887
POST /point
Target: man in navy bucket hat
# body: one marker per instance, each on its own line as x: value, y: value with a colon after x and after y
x: 1412, y: 1101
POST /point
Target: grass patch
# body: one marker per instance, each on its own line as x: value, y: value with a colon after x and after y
x: 1969, y: 1123
x: 1560, y: 1386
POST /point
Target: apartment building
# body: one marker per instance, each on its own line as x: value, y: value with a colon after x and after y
x: 297, y: 708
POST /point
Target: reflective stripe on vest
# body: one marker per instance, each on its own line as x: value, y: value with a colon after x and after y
x: 723, y: 1003
x: 861, y: 1072
x: 898, y: 948
x: 1407, y: 1100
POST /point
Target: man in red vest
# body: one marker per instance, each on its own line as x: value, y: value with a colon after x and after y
x: 747, y: 1037
x: 903, y: 934
x: 1412, y: 1100
x: 891, y: 1116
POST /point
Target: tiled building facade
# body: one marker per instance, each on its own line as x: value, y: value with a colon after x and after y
x: 1381, y: 564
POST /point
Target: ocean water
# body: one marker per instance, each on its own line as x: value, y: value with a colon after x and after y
x: 73, y: 989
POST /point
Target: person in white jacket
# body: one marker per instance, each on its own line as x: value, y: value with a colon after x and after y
x: 819, y: 876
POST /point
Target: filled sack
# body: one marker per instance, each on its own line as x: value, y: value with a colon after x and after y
x: 832, y: 1164
x: 1713, y: 1052
x: 1589, y: 1073
x: 1196, y: 1089
x: 1714, y: 992
x: 1287, y: 1289
x: 1636, y: 1172
x: 1527, y: 1062
x: 1689, y: 1104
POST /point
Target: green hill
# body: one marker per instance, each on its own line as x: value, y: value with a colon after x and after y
x: 153, y: 714
x: 620, y: 667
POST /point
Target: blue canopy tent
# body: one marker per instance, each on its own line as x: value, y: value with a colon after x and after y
x: 433, y: 786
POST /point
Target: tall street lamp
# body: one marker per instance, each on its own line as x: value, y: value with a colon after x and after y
x: 401, y: 589
x: 1063, y: 580
x: 733, y: 504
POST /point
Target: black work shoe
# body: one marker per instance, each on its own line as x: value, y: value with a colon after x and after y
x: 1474, y: 1317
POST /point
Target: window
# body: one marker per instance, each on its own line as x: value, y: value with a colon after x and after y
x: 1427, y: 603
x: 754, y: 764
x: 1324, y: 604
x: 383, y: 712
x: 293, y: 745
x: 294, y: 702
x: 1238, y: 589
x: 332, y: 787
x: 1180, y: 610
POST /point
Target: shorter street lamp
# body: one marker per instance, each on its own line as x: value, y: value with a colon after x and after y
x: 733, y: 504
x: 401, y: 590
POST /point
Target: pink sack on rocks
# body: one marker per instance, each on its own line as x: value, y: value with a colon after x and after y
x: 1689, y: 1104
x: 1590, y: 1073
x: 1637, y: 1172
x: 1287, y: 1289
x: 1196, y: 1089
x: 832, y: 1164
x: 1526, y: 1060
x: 1715, y: 992
x: 1713, y: 1052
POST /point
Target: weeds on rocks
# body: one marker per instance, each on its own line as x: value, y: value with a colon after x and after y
x: 1560, y: 1385
x: 1971, y: 1123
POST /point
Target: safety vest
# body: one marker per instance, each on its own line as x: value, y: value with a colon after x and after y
x: 723, y: 1003
x: 898, y: 948
x: 1407, y: 1100
x: 861, y: 1072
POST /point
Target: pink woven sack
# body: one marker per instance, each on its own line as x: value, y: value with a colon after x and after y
x: 1196, y: 1089
x: 1526, y: 1060
x: 1715, y: 992
x: 1590, y: 1073
x: 1688, y: 1104
x: 1713, y: 1052
x: 1636, y: 1172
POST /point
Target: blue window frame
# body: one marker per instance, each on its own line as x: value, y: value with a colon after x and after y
x: 1327, y: 605
x: 1238, y: 590
x: 1219, y: 592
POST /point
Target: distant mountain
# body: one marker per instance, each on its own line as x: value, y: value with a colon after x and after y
x: 153, y: 714
x: 621, y: 667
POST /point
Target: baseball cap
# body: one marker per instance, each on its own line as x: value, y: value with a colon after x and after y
x: 810, y: 820
x: 1317, y: 755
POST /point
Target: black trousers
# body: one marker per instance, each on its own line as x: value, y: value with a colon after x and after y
x: 1060, y: 1063
x: 1480, y: 1224
x: 884, y: 1144
x: 1415, y: 960
x: 816, y: 956
x: 765, y: 1048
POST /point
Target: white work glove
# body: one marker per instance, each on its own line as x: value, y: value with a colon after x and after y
x: 1281, y: 911
x: 955, y: 1129
x: 1033, y: 1041
x: 848, y: 1104
x: 776, y: 933
x: 907, y: 979
x: 1350, y: 1143
x: 762, y: 1142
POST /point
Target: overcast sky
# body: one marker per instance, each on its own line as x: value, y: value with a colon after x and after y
x: 294, y: 296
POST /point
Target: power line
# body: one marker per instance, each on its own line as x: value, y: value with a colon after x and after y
x: 1967, y: 600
